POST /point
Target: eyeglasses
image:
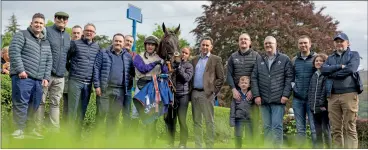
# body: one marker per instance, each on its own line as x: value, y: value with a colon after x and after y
x: 269, y: 43
x: 89, y: 31
x: 61, y: 17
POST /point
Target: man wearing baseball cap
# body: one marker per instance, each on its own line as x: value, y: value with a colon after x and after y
x: 60, y: 44
x: 342, y: 92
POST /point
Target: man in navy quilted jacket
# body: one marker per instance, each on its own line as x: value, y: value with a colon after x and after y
x: 112, y: 72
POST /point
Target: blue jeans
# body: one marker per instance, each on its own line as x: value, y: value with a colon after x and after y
x: 301, y: 110
x: 78, y: 94
x: 272, y: 115
x: 26, y: 98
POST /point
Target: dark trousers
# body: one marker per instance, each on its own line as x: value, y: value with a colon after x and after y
x: 179, y: 110
x: 126, y: 109
x: 109, y: 106
x: 150, y: 134
x: 240, y: 127
x: 26, y: 98
x: 322, y: 125
x: 65, y: 106
x: 78, y: 98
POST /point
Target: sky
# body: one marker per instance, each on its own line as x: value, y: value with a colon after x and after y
x: 110, y: 16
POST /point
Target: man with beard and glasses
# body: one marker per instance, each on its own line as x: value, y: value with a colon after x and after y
x: 60, y: 43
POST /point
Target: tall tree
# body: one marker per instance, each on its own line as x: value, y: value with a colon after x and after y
x: 13, y: 26
x: 224, y: 21
x: 159, y: 33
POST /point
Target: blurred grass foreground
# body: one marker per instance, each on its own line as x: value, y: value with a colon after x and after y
x: 133, y: 137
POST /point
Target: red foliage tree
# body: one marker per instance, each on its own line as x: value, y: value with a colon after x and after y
x: 224, y: 21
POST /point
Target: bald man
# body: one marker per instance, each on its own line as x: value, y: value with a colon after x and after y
x: 271, y: 87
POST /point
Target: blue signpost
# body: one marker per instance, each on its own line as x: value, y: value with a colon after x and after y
x: 135, y: 14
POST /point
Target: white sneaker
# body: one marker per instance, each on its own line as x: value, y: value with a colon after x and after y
x: 18, y: 134
x: 36, y: 135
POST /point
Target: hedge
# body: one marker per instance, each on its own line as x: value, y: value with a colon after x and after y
x: 224, y: 133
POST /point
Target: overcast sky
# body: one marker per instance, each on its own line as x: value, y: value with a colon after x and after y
x: 110, y: 17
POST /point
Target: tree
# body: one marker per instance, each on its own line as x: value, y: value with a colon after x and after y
x: 224, y: 21
x: 6, y: 39
x: 159, y: 33
x: 103, y: 40
x: 13, y: 26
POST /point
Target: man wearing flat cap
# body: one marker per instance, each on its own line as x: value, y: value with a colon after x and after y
x: 60, y: 43
x: 342, y: 88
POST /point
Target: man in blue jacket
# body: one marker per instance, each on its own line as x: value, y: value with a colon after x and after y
x: 30, y: 63
x: 60, y: 43
x: 303, y: 72
x: 112, y: 72
x: 82, y: 56
x: 342, y: 92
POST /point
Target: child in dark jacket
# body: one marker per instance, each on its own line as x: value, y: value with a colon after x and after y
x: 240, y: 114
x: 318, y: 102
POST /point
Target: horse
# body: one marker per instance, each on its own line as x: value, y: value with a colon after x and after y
x: 169, y: 46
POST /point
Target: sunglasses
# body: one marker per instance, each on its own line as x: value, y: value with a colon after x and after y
x: 61, y: 17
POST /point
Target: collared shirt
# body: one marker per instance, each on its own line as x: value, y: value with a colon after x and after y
x: 199, y: 71
x: 270, y: 60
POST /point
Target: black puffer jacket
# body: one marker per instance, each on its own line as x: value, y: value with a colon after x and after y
x: 317, y: 92
x: 182, y: 75
x: 272, y: 84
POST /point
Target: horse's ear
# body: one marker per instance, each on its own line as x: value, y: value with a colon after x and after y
x: 164, y: 28
x: 177, y: 30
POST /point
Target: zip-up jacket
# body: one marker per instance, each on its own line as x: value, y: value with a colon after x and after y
x: 303, y: 71
x: 102, y: 69
x: 30, y: 54
x: 341, y: 80
x: 82, y: 56
x: 60, y: 45
x: 317, y: 92
x: 272, y: 84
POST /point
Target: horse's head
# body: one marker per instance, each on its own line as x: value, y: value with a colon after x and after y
x: 169, y: 43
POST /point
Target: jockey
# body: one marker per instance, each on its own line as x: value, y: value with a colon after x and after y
x: 147, y: 64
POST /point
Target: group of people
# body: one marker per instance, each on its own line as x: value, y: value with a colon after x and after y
x: 47, y: 64
x: 325, y: 90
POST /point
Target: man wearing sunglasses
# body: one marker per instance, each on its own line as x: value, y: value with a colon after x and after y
x: 60, y: 44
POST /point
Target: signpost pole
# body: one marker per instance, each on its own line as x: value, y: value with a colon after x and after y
x: 134, y: 34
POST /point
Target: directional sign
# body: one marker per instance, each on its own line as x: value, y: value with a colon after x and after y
x: 134, y: 13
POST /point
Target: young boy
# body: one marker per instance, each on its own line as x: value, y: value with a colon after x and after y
x: 240, y: 111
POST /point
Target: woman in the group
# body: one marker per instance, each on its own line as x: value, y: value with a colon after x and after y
x: 146, y: 65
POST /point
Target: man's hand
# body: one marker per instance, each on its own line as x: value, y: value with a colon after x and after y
x: 45, y: 83
x: 284, y: 99
x: 98, y: 92
x: 23, y: 75
x: 236, y: 94
x: 249, y: 95
x: 159, y: 62
x: 342, y: 66
x: 258, y: 100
